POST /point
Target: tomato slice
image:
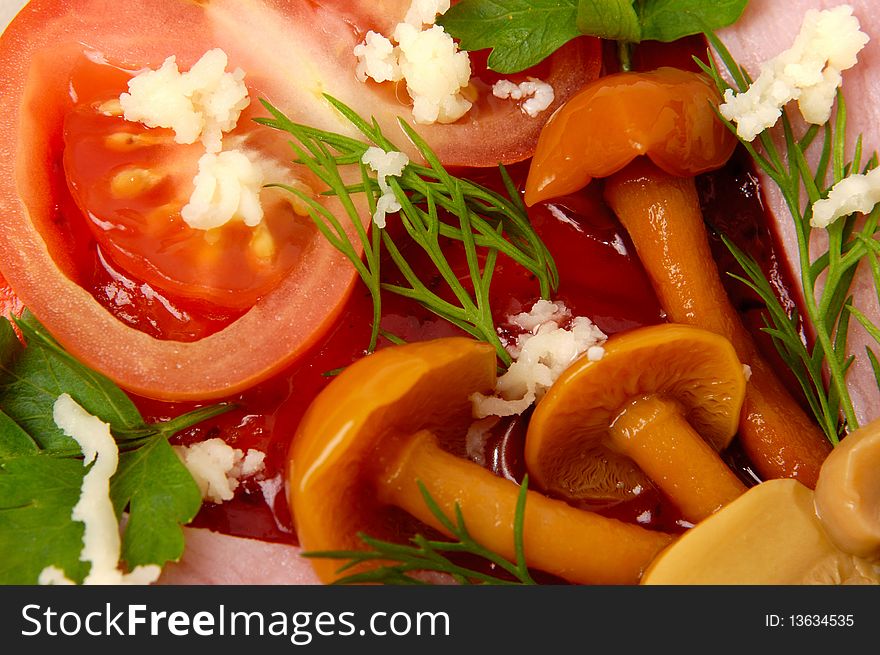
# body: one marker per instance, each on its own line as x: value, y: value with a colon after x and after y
x: 292, y: 52
x: 493, y: 131
x: 131, y: 182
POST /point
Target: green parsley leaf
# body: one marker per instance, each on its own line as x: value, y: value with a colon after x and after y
x: 609, y: 19
x: 41, y: 468
x: 668, y: 20
x: 14, y: 441
x: 32, y: 378
x: 161, y: 496
x: 37, y: 495
x: 521, y: 33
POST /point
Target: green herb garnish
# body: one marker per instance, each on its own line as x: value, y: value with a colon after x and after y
x: 428, y: 555
x: 521, y: 33
x: 41, y: 469
x: 670, y: 20
x: 435, y: 205
x: 849, y: 243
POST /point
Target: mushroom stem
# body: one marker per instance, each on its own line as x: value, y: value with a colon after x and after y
x: 577, y: 545
x: 662, y: 214
x: 653, y: 433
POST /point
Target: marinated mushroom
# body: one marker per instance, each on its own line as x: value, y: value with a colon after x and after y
x: 663, y: 114
x: 770, y: 535
x: 780, y: 532
x: 666, y: 396
x: 848, y: 492
x: 669, y: 116
x: 376, y: 431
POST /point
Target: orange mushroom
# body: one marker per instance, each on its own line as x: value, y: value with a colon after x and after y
x: 662, y: 214
x: 376, y: 431
x: 768, y: 536
x: 779, y: 532
x: 664, y: 114
x: 668, y: 115
x: 848, y: 493
x: 666, y: 396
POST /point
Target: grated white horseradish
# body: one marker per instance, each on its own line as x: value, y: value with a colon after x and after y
x: 856, y: 193
x: 203, y: 104
x: 385, y: 164
x: 428, y: 60
x: 538, y: 94
x: 101, y: 541
x: 377, y: 59
x: 218, y: 468
x: 227, y: 186
x: 425, y: 12
x: 540, y: 357
x: 200, y: 104
x: 809, y: 72
x: 435, y: 72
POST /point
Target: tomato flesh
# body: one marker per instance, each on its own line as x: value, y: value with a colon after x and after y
x: 130, y: 183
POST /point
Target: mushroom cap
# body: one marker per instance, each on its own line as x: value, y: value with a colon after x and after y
x: 848, y: 492
x: 694, y: 368
x: 769, y: 535
x: 355, y: 427
x: 667, y: 114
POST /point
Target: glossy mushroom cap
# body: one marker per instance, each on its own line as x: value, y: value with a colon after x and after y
x: 667, y: 114
x: 356, y: 427
x: 696, y: 371
x: 848, y: 492
x: 769, y: 535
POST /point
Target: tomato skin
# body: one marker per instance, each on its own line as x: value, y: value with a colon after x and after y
x: 10, y: 305
x: 666, y: 114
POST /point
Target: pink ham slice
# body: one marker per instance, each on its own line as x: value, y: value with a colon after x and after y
x: 766, y: 28
x: 214, y: 558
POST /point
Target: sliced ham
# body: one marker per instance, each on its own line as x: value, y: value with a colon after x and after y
x: 766, y: 28
x: 214, y: 558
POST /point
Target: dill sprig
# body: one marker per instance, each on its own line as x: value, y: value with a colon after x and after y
x: 427, y: 555
x: 849, y: 242
x: 435, y: 204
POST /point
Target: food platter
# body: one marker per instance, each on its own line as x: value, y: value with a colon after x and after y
x: 329, y: 281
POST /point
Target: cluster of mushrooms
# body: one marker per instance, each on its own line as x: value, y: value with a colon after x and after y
x: 659, y: 406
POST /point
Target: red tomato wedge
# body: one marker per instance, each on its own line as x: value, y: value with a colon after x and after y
x: 292, y: 52
x: 131, y: 182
